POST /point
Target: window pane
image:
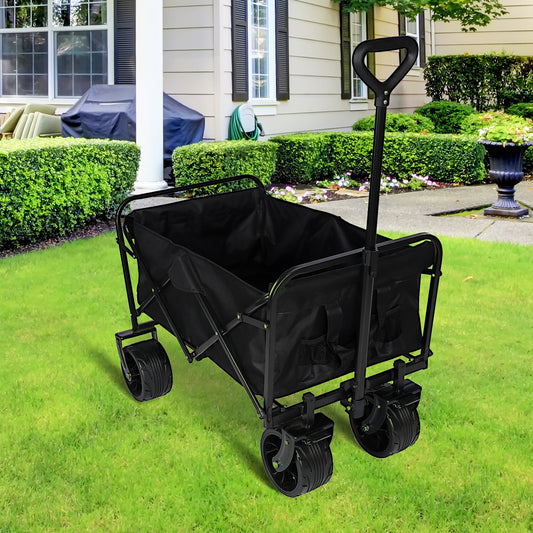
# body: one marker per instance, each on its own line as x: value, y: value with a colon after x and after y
x: 23, y: 14
x: 24, y: 64
x: 79, y: 60
x: 80, y: 12
x: 411, y: 27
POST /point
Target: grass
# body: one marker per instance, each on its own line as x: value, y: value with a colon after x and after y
x: 78, y: 454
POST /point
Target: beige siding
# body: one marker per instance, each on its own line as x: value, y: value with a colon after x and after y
x: 197, y: 63
x: 512, y: 34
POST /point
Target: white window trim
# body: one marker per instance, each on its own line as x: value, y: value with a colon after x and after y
x: 271, y: 98
x: 364, y: 97
x: 416, y: 37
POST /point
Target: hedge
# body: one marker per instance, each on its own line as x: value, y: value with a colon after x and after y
x: 205, y: 161
x: 483, y: 81
x: 403, y: 122
x: 302, y: 157
x: 447, y: 116
x: 446, y: 158
x: 50, y: 187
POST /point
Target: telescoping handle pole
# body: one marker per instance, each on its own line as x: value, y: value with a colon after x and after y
x: 382, y: 91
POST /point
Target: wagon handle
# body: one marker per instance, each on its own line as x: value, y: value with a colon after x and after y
x: 383, y: 89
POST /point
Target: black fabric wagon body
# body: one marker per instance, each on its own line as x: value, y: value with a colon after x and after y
x: 233, y: 249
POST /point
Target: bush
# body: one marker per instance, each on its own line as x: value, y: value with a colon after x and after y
x: 206, y: 161
x: 49, y: 187
x: 401, y: 122
x: 302, y: 158
x: 522, y: 109
x: 483, y: 81
x: 447, y: 116
x: 445, y: 158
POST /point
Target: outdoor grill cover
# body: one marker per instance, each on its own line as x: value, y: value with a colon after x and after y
x: 231, y: 247
x: 108, y: 112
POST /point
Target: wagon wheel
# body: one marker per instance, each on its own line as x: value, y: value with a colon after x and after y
x: 311, y: 465
x: 399, y: 430
x: 149, y: 374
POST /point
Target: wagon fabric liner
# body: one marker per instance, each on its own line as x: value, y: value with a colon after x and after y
x: 233, y: 248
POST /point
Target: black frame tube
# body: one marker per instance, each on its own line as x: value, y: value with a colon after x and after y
x: 382, y: 91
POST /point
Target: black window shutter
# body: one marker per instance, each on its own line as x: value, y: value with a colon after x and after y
x: 346, y: 55
x: 239, y: 49
x: 401, y: 31
x: 124, y: 41
x: 422, y: 39
x: 282, y: 50
x: 370, y: 34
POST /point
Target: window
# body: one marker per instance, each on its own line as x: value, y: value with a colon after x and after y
x: 355, y: 28
x: 415, y: 28
x: 53, y: 48
x: 358, y: 35
x: 260, y: 52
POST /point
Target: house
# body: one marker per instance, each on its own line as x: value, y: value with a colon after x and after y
x: 290, y: 58
x: 511, y: 34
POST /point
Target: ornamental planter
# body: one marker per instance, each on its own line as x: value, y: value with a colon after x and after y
x: 505, y: 168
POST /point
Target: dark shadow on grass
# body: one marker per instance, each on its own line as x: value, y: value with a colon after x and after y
x: 110, y: 367
x: 250, y: 458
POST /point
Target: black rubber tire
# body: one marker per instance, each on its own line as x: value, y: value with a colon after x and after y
x: 150, y: 371
x: 311, y: 465
x: 400, y: 430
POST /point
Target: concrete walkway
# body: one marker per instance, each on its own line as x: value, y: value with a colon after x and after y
x: 415, y: 212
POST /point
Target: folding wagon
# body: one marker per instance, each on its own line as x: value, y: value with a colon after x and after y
x: 283, y: 297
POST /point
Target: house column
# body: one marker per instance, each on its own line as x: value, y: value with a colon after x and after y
x: 149, y: 107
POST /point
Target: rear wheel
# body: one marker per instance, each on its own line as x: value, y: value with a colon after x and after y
x: 311, y: 465
x: 149, y: 374
x: 399, y: 430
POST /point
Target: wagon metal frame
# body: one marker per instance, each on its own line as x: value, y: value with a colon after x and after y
x: 295, y: 443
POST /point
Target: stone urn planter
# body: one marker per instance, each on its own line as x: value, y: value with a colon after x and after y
x: 506, y: 139
x: 505, y: 169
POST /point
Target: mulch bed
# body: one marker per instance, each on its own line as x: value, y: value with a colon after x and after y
x: 91, y: 230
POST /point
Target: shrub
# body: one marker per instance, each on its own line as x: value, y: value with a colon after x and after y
x: 302, y: 158
x: 482, y: 81
x: 206, y: 161
x: 401, y: 122
x: 447, y: 116
x: 522, y: 109
x: 446, y: 158
x: 49, y: 187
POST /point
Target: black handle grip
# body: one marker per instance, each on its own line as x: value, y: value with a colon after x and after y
x: 383, y: 89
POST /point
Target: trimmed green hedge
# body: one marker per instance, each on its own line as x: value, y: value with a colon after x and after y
x: 402, y: 122
x: 205, y: 161
x: 49, y: 187
x: 447, y: 116
x: 446, y: 158
x: 302, y: 157
x: 483, y: 81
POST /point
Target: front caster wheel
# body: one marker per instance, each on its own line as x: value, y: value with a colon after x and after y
x: 310, y: 467
x: 399, y: 430
x: 148, y: 374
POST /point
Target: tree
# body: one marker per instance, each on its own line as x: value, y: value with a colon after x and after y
x: 470, y: 13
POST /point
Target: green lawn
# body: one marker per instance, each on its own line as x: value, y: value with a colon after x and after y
x: 78, y: 454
